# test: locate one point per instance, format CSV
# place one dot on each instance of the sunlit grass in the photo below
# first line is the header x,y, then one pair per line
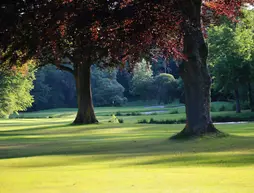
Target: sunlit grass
x,y
51,156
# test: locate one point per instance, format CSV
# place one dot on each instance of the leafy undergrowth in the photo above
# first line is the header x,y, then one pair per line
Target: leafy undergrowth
x,y
50,155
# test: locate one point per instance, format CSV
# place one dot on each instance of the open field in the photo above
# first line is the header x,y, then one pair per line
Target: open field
x,y
52,156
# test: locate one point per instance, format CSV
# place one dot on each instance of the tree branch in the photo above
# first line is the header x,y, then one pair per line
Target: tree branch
x,y
65,68
70,57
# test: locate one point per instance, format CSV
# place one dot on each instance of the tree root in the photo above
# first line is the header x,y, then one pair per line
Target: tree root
x,y
209,131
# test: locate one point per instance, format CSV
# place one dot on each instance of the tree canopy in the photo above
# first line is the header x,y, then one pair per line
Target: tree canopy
x,y
51,30
109,32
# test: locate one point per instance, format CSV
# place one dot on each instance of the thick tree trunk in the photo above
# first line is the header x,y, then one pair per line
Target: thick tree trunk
x,y
250,97
195,74
85,113
237,101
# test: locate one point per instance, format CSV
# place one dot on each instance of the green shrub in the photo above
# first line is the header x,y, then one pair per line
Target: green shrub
x,y
219,118
167,121
119,114
135,113
222,108
132,114
234,107
152,120
213,109
245,105
121,120
144,121
174,112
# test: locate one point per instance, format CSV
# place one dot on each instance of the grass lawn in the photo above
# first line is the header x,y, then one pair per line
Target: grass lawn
x,y
172,112
51,156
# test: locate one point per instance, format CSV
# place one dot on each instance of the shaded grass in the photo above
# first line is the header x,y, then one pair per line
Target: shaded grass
x,y
50,155
110,139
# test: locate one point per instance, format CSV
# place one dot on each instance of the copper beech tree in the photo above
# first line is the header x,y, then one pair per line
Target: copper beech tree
x,y
63,33
116,31
178,28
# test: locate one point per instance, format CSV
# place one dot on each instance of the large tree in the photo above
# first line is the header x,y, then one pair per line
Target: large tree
x,y
122,30
178,28
57,32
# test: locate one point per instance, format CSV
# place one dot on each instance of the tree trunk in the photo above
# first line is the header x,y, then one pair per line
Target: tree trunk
x,y
237,101
195,74
85,113
250,97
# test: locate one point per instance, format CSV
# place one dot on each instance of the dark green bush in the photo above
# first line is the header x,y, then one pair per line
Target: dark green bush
x,y
222,108
121,120
135,113
167,121
213,109
225,118
174,112
245,105
143,121
119,114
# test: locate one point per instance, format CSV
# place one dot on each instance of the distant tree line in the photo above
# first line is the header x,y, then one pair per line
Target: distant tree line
x,y
110,87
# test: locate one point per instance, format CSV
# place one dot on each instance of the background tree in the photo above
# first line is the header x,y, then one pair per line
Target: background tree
x,y
230,68
165,88
53,31
225,60
53,89
15,90
244,37
56,89
41,91
142,80
185,39
106,90
124,78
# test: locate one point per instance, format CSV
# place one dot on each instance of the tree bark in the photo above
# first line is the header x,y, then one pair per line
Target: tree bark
x,y
237,101
195,74
85,114
250,97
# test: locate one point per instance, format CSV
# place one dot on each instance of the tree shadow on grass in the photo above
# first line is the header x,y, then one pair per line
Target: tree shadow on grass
x,y
51,128
195,159
100,148
31,131
135,144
